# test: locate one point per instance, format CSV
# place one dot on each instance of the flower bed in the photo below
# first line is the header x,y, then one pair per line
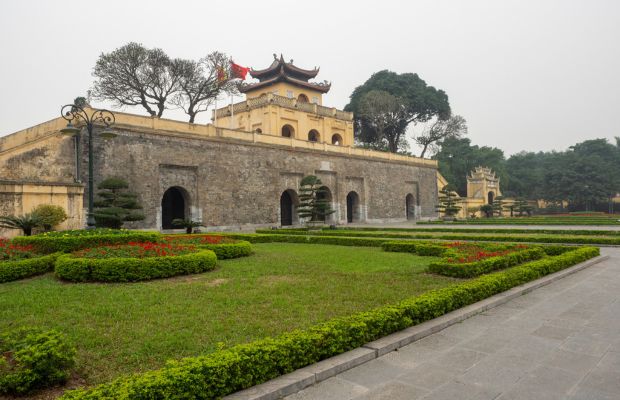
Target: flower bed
x,y
224,247
21,261
68,241
226,371
135,261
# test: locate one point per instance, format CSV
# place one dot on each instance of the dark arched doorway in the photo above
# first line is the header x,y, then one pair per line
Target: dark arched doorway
x,y
353,207
302,98
325,195
410,206
490,197
288,131
313,135
336,139
288,207
174,205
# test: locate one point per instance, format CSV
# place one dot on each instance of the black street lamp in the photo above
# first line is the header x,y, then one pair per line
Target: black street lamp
x,y
77,118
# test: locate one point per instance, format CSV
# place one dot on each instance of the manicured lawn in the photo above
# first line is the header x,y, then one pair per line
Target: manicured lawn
x,y
120,328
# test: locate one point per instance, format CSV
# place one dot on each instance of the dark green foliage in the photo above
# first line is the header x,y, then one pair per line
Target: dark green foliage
x,y
487,210
225,251
417,102
132,269
31,358
313,203
14,270
50,215
115,204
477,268
226,371
188,224
46,243
26,222
419,248
522,207
448,202
498,206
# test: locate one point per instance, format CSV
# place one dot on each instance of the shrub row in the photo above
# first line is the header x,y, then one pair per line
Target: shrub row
x,y
31,358
69,243
309,239
132,269
573,232
477,268
19,269
226,371
225,251
534,221
420,248
535,238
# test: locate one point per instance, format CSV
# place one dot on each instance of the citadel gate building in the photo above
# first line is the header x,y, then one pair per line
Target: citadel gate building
x,y
241,171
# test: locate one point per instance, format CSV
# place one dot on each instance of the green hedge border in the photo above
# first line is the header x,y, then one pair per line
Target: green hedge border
x,y
68,244
573,232
477,268
75,269
538,238
583,222
20,269
227,371
225,251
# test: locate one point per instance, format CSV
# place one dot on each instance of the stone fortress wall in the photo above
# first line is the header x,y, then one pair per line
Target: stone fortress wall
x,y
228,179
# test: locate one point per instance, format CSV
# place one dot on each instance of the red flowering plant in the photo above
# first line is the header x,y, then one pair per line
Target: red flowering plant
x,y
199,239
135,250
464,252
12,252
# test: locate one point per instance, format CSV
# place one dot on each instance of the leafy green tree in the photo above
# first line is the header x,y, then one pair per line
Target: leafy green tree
x,y
448,202
26,222
383,115
313,204
419,102
115,204
50,215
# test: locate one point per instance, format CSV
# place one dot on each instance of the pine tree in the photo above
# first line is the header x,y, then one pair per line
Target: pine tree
x,y
448,202
116,204
522,206
313,204
498,206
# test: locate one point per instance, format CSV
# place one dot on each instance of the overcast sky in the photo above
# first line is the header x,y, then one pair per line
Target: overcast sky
x,y
527,75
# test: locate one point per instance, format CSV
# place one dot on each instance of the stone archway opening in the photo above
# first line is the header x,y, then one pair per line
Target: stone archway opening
x,y
336,139
302,98
174,205
288,131
353,207
491,197
410,207
324,194
313,135
288,208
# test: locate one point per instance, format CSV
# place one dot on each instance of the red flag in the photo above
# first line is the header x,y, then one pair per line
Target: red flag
x,y
238,71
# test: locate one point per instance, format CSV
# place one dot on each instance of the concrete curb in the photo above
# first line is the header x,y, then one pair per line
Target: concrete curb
x,y
315,373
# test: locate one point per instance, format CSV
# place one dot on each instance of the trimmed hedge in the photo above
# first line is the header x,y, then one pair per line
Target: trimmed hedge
x,y
477,268
584,232
132,269
531,221
31,358
19,269
420,248
536,238
67,244
225,251
308,239
226,371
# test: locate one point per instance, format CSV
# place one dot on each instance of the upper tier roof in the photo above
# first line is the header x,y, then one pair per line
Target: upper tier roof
x,y
281,71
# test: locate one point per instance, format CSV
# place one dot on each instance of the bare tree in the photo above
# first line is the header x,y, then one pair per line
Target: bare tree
x,y
384,117
455,126
201,82
134,75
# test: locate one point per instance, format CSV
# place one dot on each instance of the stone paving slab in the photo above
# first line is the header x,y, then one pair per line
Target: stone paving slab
x,y
477,357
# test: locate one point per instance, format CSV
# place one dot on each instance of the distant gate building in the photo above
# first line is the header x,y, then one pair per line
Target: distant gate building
x,y
244,169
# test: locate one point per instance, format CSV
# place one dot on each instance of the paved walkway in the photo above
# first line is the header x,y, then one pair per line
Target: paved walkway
x,y
561,341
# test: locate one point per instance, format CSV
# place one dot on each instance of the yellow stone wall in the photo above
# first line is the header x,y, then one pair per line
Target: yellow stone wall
x,y
283,89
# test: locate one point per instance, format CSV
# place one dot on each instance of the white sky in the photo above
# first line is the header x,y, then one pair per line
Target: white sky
x,y
527,75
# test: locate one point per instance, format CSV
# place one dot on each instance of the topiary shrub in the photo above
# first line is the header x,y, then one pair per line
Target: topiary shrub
x,y
20,269
224,247
50,215
31,358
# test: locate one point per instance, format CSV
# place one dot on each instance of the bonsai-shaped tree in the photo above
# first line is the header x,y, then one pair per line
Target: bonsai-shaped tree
x,y
448,202
498,206
50,215
313,206
473,212
116,204
487,209
523,207
188,224
26,222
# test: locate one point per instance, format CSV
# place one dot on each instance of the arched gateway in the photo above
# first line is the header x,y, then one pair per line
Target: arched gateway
x,y
174,204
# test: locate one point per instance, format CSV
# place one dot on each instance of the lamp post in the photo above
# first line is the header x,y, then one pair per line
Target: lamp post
x,y
77,118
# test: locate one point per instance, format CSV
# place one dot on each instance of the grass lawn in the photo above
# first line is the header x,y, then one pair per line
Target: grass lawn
x,y
120,328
